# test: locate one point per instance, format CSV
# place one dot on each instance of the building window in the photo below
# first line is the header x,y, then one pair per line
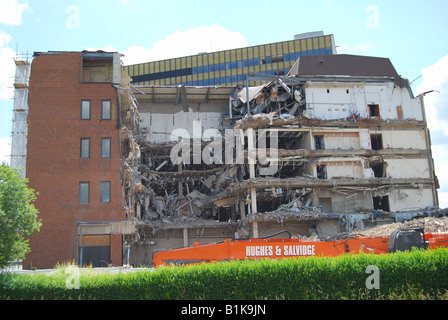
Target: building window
x,y
85,110
84,192
379,169
85,148
105,192
377,141
374,110
105,110
278,58
105,147
319,142
321,171
381,203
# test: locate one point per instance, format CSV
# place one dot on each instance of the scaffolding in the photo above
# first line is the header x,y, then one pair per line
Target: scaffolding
x,y
20,115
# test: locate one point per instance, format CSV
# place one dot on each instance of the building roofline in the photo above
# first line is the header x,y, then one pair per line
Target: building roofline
x,y
41,53
253,46
347,65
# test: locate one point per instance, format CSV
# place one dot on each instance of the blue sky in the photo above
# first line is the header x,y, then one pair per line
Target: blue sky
x,y
411,33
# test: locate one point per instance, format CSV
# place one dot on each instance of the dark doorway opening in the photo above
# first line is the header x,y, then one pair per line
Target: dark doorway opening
x,y
377,141
95,256
381,203
379,169
322,171
374,110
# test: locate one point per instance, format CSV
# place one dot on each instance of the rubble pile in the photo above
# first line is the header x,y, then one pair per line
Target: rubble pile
x,y
430,224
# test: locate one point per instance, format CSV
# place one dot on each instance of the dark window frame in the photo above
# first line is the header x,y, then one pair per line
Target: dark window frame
x,y
82,115
108,198
80,192
81,151
110,148
110,109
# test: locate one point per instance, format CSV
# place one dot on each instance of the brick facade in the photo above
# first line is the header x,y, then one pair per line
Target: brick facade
x,y
54,166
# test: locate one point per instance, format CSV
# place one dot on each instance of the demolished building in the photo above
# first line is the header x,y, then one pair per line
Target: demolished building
x,y
339,143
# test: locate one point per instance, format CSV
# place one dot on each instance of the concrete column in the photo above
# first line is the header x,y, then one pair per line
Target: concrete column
x,y
242,209
185,237
255,229
252,160
180,183
253,196
251,152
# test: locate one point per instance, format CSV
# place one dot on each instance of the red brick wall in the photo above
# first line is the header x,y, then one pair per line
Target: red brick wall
x,y
54,167
116,250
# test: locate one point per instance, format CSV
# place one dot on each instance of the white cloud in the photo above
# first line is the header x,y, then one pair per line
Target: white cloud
x,y
5,150
11,12
184,43
357,49
435,77
4,39
443,199
7,67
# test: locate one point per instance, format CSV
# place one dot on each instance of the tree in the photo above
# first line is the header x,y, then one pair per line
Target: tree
x,y
18,216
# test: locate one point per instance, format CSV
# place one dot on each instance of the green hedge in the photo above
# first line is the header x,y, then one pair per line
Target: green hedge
x,y
403,275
